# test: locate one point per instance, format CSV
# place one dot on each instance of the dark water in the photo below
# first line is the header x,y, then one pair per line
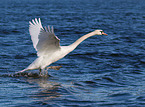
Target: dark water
x,y
105,71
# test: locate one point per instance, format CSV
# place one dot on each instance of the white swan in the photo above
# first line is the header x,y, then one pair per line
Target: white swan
x,y
47,45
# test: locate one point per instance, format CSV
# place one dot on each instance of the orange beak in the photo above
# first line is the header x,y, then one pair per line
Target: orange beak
x,y
104,33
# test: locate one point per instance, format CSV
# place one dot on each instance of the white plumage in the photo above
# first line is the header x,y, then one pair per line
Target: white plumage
x,y
48,47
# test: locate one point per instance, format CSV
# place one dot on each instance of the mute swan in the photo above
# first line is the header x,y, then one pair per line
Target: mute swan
x,y
47,45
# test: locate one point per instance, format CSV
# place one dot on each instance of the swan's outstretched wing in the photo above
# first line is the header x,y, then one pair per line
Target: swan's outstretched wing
x,y
44,40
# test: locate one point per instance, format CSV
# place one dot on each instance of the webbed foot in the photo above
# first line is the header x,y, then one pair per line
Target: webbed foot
x,y
54,67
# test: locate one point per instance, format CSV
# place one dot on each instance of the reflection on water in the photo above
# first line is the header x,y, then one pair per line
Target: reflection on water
x,y
48,89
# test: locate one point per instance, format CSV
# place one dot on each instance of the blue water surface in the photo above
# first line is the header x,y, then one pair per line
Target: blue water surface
x,y
103,71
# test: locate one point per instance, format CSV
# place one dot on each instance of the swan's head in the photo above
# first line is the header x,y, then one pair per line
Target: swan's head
x,y
99,32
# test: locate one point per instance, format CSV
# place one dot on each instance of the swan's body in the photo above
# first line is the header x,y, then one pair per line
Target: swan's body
x,y
47,45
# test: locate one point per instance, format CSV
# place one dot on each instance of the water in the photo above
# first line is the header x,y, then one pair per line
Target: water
x,y
102,71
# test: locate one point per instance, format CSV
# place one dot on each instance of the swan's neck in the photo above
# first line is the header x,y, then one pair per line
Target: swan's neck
x,y
77,42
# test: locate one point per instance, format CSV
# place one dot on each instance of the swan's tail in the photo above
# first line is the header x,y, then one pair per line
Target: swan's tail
x,y
22,71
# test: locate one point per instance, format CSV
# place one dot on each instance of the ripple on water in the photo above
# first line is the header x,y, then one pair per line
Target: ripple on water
x,y
101,71
26,74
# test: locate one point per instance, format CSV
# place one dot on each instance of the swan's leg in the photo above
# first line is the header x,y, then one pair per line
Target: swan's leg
x,y
46,72
40,71
43,72
54,67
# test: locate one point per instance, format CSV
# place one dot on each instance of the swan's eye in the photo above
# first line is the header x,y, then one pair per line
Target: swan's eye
x,y
101,32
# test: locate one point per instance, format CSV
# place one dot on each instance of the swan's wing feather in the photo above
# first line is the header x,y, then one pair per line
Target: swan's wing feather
x,y
34,30
44,40
47,43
